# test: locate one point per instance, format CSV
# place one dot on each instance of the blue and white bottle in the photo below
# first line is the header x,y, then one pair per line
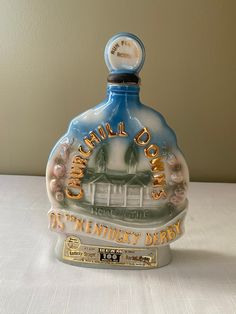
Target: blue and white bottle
x,y
117,180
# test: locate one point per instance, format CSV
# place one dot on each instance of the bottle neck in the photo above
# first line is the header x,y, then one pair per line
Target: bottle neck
x,y
123,91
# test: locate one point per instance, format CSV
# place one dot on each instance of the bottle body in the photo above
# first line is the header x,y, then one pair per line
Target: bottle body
x,y
117,178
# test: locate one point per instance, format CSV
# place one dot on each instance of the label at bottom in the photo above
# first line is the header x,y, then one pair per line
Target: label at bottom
x,y
77,252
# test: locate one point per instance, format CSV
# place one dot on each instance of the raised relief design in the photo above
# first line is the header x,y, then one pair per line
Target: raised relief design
x,y
117,178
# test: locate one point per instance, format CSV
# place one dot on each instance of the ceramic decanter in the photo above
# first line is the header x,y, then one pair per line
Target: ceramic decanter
x,y
117,180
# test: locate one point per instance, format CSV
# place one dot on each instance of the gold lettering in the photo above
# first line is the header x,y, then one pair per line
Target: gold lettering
x,y
98,229
76,168
151,151
171,234
88,226
73,218
151,239
102,132
163,237
158,195
157,164
79,224
143,137
159,179
76,175
105,231
119,237
110,131
84,153
155,238
126,237
177,227
72,195
90,142
75,183
55,221
79,162
110,234
114,234
121,128
148,239
136,237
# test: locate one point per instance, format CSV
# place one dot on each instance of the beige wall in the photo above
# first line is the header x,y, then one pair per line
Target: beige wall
x,y
52,68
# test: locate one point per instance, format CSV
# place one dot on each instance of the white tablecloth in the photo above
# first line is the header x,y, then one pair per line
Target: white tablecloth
x,y
200,279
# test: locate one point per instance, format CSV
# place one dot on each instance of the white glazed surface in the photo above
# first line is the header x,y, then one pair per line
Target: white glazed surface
x,y
128,47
